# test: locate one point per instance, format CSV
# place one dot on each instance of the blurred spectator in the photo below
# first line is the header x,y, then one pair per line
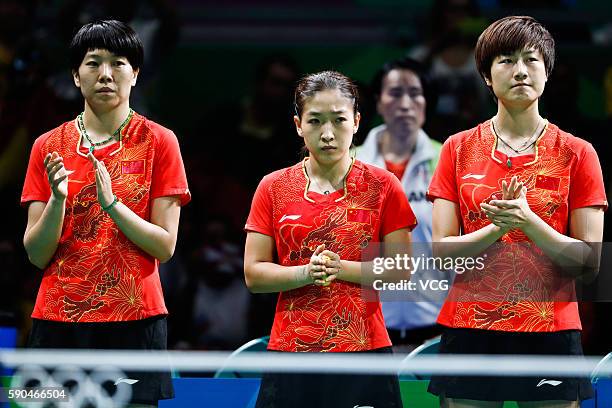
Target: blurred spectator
x,y
261,126
449,54
403,91
220,297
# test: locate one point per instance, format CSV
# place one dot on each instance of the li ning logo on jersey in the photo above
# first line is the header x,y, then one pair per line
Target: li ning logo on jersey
x,y
474,176
289,217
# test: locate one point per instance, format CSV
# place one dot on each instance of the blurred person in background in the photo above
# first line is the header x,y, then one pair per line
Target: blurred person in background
x,y
448,53
400,145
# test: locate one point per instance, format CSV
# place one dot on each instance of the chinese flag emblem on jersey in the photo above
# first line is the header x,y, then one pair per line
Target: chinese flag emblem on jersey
x,y
547,182
132,166
361,215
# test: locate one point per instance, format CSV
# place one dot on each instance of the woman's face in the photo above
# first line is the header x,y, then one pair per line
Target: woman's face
x,y
105,79
327,125
402,102
518,79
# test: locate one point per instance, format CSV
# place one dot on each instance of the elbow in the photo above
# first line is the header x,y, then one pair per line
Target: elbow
x,y
165,256
251,282
166,252
37,262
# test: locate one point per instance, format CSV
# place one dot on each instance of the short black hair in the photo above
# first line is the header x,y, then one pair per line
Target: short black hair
x,y
409,64
112,35
510,34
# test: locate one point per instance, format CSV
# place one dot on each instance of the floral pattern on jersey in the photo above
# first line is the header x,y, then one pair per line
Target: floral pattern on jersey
x,y
96,273
519,285
336,317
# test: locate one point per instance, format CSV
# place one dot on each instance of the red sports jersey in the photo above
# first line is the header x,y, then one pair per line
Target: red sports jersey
x,y
97,274
336,317
520,289
398,169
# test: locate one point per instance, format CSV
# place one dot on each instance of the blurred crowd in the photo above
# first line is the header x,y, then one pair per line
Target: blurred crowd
x,y
230,146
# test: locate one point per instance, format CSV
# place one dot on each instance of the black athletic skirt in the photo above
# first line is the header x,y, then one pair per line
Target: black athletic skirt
x,y
147,334
283,390
474,341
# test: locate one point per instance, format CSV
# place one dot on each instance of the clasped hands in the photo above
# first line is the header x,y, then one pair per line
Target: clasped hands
x,y
324,266
57,176
512,211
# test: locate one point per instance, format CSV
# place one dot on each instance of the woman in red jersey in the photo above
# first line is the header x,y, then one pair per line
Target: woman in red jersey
x,y
104,193
307,229
514,179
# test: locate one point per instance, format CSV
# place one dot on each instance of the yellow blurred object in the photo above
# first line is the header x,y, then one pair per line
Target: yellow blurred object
x,y
325,258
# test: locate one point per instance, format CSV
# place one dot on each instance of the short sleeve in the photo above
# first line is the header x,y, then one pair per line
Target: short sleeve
x,y
396,212
169,178
260,216
586,183
443,182
36,187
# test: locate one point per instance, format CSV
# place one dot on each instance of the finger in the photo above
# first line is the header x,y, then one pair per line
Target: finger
x,y
490,207
59,180
319,282
504,189
93,160
504,204
332,271
330,255
53,171
47,158
53,162
517,190
523,193
512,184
319,249
331,278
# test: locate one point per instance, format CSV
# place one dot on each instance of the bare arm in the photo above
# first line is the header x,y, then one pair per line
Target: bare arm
x,y
263,275
577,253
446,232
45,220
158,237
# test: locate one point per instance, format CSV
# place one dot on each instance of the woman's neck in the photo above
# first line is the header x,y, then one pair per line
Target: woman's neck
x,y
333,173
517,124
100,125
397,149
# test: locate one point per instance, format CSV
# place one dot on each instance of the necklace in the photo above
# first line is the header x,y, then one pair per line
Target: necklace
x,y
92,144
326,192
523,147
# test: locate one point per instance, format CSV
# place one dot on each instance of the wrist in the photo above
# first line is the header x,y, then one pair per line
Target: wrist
x,y
301,275
531,219
61,200
110,206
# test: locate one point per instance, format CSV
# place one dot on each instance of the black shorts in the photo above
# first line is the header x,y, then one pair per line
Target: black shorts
x,y
146,334
474,341
282,390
